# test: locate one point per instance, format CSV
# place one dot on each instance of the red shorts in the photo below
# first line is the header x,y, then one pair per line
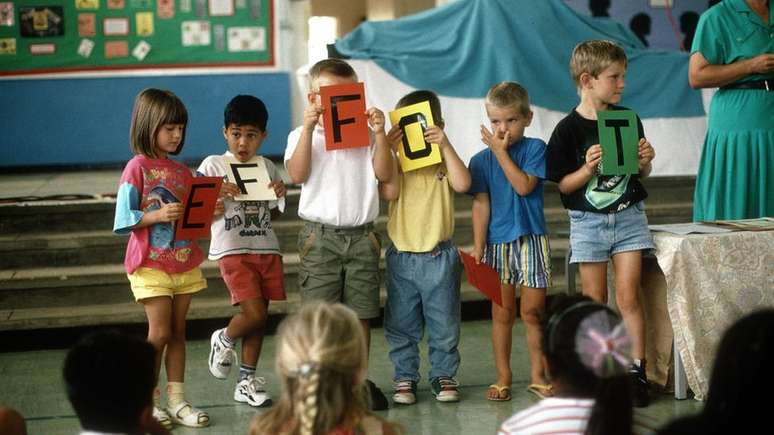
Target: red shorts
x,y
253,276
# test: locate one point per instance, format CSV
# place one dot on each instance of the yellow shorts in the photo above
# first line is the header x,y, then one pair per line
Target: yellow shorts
x,y
148,283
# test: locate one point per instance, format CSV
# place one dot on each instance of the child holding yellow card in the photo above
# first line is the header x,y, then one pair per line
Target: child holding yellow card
x,y
423,265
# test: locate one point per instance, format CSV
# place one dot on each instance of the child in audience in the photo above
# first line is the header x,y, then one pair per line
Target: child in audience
x,y
246,248
509,230
163,272
742,367
338,246
423,265
322,364
129,363
607,213
588,353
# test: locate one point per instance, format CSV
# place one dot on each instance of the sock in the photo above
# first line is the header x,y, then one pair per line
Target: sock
x,y
225,339
245,371
175,394
157,397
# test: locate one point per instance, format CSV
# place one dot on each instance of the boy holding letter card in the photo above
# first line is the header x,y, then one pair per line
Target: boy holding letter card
x,y
245,246
619,138
607,212
338,246
423,265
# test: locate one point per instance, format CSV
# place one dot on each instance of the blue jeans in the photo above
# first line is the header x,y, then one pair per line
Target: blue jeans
x,y
423,289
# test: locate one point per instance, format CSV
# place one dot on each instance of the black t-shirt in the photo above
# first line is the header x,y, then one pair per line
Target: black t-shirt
x,y
566,153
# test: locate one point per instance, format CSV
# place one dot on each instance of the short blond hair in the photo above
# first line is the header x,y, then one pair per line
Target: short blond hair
x,y
336,67
593,57
509,94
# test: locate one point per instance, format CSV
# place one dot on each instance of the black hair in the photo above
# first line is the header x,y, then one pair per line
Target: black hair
x,y
109,378
612,411
420,96
246,110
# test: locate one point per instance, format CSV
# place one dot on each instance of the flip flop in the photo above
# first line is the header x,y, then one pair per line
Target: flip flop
x,y
541,390
503,393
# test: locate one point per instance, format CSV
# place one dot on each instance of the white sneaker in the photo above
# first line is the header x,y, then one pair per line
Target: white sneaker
x,y
221,357
250,390
185,414
162,417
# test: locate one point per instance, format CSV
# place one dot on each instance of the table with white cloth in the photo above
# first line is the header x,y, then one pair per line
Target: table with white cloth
x,y
699,286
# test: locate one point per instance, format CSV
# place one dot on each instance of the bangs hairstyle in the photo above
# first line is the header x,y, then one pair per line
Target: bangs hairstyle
x,y
336,67
593,57
420,96
509,94
246,110
152,109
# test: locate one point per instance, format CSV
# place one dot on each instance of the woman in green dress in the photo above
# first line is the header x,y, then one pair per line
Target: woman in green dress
x,y
733,49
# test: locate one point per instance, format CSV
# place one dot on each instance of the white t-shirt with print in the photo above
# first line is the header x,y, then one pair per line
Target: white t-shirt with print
x,y
245,227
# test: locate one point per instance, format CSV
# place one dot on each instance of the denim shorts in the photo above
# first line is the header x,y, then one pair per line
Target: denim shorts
x,y
595,237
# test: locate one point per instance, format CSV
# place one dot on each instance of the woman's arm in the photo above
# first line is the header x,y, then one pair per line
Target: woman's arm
x,y
702,74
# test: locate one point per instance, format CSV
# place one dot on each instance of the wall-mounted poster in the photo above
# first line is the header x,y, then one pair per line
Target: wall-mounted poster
x,y
41,21
6,14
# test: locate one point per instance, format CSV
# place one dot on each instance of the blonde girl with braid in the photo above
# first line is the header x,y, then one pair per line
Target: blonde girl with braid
x,y
321,363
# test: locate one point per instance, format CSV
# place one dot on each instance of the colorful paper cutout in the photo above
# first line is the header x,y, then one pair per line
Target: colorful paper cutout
x,y
7,45
344,118
251,38
141,50
6,14
87,4
195,33
144,23
85,47
483,277
41,22
619,137
414,152
87,24
199,201
116,49
165,9
115,26
252,178
115,4
221,8
42,49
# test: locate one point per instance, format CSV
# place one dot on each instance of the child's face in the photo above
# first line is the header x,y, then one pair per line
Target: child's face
x,y
168,138
508,119
243,140
608,86
326,79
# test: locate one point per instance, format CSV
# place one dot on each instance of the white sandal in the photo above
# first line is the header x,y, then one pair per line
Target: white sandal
x,y
185,414
162,417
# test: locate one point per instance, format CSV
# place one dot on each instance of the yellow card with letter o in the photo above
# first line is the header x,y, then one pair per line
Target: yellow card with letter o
x,y
414,152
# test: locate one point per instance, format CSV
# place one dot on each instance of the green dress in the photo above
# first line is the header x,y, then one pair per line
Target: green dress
x,y
736,171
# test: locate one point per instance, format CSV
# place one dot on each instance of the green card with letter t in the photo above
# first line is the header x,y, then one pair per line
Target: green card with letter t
x,y
619,137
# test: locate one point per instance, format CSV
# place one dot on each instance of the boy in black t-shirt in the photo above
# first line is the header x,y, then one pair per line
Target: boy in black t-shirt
x,y
607,213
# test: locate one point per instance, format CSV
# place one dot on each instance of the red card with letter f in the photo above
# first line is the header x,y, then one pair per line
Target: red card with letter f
x,y
199,202
344,118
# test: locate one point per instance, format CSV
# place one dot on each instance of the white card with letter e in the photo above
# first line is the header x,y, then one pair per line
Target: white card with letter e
x,y
252,178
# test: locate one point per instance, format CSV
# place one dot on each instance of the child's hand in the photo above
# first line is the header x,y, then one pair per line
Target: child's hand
x,y
376,119
279,188
645,153
229,190
170,212
395,137
312,114
435,134
593,157
477,254
220,207
493,141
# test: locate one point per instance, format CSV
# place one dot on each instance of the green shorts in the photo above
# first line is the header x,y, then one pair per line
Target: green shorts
x,y
340,264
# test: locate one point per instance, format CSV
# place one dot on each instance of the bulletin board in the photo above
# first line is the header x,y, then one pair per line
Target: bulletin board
x,y
49,36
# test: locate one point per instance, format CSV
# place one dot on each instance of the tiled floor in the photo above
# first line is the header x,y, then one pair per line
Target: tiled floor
x,y
31,382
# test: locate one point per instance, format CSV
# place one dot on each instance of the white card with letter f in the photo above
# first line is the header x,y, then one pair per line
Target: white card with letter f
x,y
252,178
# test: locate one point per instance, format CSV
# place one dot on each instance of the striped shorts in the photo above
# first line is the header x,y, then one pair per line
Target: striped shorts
x,y
525,261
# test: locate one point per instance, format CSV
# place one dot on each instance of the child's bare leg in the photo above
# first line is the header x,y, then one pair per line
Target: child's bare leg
x,y
533,305
175,360
594,280
159,312
250,324
628,269
502,325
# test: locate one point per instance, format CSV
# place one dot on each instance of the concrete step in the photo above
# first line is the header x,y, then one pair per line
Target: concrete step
x,y
107,284
97,213
83,248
